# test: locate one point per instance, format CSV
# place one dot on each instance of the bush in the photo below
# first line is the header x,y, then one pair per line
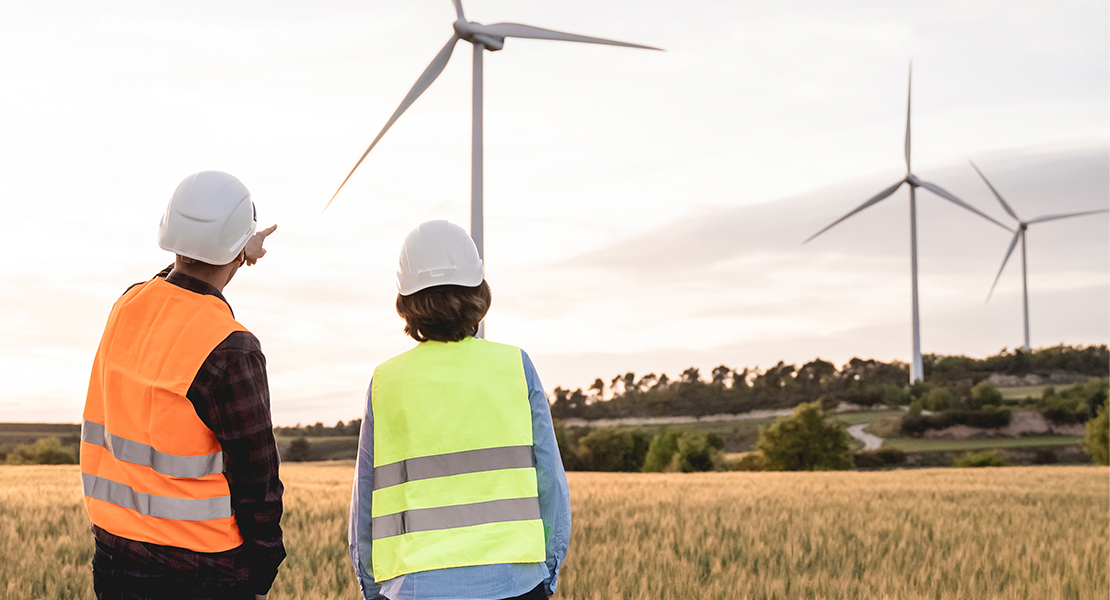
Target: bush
x,y
806,441
881,457
938,399
750,461
45,451
614,449
300,450
991,417
1097,442
985,394
1045,456
683,451
988,458
871,394
1076,405
567,447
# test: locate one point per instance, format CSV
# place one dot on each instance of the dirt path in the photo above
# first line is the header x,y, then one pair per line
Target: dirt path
x,y
755,414
870,442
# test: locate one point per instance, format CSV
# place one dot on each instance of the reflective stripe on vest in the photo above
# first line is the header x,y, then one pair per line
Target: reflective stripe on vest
x,y
454,463
145,455
454,475
156,506
151,470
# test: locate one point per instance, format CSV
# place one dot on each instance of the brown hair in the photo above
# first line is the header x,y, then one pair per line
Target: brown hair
x,y
444,313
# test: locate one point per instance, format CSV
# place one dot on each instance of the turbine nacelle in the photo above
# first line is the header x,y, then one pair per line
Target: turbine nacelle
x,y
475,34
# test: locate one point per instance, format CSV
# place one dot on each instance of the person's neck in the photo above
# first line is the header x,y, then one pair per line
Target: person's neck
x,y
216,276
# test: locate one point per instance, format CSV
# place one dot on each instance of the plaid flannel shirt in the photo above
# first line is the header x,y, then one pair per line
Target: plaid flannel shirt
x,y
231,396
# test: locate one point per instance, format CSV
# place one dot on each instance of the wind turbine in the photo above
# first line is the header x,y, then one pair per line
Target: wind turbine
x,y
917,371
482,37
1020,234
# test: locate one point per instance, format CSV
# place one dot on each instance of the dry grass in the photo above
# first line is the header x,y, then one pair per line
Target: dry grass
x,y
1033,532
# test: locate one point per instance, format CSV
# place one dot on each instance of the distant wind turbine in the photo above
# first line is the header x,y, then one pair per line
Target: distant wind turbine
x,y
482,37
1020,234
917,371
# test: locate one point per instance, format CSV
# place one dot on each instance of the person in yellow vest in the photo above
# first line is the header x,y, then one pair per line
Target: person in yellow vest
x,y
459,490
178,461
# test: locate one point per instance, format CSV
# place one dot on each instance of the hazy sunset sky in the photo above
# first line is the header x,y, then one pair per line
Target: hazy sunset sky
x,y
644,210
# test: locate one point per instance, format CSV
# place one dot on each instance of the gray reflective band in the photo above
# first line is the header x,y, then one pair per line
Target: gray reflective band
x,y
450,517
142,454
453,463
163,507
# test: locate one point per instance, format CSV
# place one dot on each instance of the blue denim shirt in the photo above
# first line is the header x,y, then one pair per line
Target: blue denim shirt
x,y
484,582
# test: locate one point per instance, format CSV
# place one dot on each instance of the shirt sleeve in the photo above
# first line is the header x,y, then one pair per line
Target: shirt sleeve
x,y
231,395
359,538
553,490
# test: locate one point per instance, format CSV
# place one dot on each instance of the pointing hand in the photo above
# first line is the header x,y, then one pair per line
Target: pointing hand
x,y
254,249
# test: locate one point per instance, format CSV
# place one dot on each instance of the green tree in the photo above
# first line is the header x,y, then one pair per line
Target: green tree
x,y
697,452
806,441
1097,442
720,376
614,449
661,450
597,389
684,451
300,450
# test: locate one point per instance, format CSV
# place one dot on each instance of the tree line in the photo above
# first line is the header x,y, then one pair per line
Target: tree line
x,y
863,382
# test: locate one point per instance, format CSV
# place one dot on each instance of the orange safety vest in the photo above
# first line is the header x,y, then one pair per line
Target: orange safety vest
x,y
152,471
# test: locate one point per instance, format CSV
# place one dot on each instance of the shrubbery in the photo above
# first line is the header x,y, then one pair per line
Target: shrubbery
x,y
45,451
988,418
805,441
630,449
984,394
684,452
988,458
299,450
750,461
613,449
1097,442
1075,405
881,457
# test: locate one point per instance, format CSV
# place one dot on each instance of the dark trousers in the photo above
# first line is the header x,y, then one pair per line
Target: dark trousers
x,y
536,594
118,578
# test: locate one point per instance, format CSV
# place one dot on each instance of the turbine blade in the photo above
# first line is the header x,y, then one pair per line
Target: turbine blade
x,y
996,194
909,96
459,10
943,193
517,30
1013,244
1065,216
426,78
878,197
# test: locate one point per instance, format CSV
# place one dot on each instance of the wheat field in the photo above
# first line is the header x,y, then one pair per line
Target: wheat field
x,y
1029,532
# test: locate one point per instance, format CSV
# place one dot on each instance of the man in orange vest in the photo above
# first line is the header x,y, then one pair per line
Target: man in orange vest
x,y
178,461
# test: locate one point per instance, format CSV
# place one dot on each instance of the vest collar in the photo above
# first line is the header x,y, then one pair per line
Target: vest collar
x,y
196,286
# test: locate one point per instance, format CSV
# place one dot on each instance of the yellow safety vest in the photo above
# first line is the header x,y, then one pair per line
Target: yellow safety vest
x,y
454,473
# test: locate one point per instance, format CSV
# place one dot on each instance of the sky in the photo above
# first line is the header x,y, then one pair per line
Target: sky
x,y
645,211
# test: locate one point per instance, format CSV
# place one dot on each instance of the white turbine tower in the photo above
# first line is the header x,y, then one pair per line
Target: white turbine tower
x,y
482,37
1020,234
916,368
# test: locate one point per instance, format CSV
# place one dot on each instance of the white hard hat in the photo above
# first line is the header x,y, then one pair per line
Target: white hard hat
x,y
209,218
438,253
